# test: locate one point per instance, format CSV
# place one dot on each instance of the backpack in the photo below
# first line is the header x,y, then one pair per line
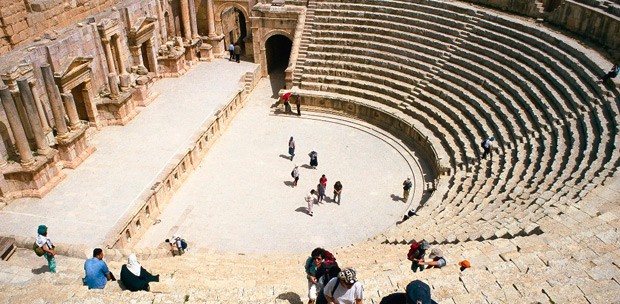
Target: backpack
x,y
183,244
293,173
38,250
482,143
413,250
320,299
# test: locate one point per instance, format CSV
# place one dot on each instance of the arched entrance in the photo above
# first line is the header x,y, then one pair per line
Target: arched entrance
x,y
278,51
234,28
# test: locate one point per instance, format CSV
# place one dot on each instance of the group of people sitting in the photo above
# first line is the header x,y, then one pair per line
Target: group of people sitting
x,y
133,276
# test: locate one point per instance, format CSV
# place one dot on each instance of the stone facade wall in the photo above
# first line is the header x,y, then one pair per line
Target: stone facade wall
x,y
24,21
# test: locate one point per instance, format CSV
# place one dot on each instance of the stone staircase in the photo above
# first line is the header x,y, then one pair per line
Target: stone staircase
x,y
462,74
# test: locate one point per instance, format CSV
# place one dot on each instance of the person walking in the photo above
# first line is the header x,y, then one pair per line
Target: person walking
x,y
337,192
291,148
298,105
344,289
407,185
295,175
237,52
47,246
314,158
313,262
487,146
231,51
615,69
310,201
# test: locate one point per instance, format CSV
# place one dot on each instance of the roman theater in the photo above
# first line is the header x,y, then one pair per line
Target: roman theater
x,y
125,122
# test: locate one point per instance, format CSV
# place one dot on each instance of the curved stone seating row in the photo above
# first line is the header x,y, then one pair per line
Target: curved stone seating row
x,y
556,127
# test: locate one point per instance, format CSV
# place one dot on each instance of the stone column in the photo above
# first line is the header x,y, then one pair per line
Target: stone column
x,y
113,82
40,108
162,22
31,110
210,20
88,96
121,63
152,56
192,16
25,155
187,28
55,102
108,55
136,53
74,119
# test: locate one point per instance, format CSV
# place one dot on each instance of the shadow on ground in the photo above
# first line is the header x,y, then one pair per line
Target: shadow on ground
x,y
291,297
41,269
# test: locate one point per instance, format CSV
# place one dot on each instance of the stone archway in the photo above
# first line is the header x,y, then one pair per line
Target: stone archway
x,y
277,53
243,26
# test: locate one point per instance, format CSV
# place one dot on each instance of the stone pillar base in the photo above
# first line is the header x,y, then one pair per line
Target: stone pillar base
x,y
217,44
35,180
142,94
74,149
206,53
172,66
117,111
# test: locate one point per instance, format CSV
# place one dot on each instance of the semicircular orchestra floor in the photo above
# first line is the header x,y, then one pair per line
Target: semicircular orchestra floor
x,y
241,197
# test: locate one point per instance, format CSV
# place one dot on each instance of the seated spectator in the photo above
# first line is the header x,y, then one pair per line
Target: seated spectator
x,y
135,277
612,73
173,246
97,272
344,289
438,260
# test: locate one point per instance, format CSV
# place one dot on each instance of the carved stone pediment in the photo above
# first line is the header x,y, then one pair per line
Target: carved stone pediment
x,y
141,31
108,27
76,72
22,70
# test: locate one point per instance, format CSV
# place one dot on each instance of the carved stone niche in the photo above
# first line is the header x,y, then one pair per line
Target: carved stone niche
x,y
141,42
171,58
78,97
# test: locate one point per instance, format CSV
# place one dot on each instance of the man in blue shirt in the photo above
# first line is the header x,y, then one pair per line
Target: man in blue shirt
x,y
97,272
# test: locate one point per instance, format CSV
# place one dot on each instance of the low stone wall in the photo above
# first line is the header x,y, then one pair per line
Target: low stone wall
x,y
153,201
401,129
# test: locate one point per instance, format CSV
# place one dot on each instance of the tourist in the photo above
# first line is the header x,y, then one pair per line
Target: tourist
x,y
173,246
313,262
322,186
487,146
231,50
180,243
47,246
310,201
287,104
97,272
135,277
612,73
237,51
298,105
314,158
344,289
337,192
417,292
437,258
295,175
291,148
407,185
416,254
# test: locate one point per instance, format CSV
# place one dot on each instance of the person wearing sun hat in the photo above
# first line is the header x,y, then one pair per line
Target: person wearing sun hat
x,y
344,289
437,258
48,247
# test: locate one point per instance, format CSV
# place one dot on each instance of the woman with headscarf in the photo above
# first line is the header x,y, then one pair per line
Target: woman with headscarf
x,y
134,277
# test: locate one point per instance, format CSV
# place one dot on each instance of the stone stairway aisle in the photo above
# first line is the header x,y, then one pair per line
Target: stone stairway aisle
x,y
305,42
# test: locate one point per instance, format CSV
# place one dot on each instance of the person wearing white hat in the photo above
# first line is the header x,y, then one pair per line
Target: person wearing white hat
x,y
407,185
437,258
344,289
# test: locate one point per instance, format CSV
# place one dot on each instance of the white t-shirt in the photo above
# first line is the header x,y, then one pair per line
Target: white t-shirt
x,y
344,295
42,240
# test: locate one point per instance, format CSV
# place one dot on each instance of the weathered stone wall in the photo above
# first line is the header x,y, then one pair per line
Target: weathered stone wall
x,y
230,26
22,22
587,21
